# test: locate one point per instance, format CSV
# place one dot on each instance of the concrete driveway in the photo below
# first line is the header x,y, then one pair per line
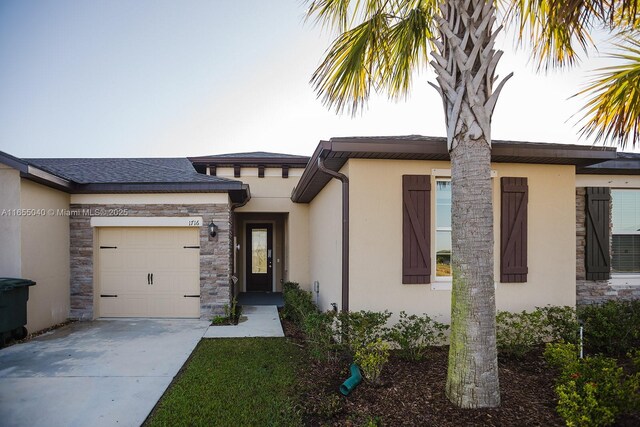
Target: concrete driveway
x,y
100,373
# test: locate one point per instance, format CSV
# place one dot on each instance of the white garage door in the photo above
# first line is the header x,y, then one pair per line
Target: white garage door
x,y
149,272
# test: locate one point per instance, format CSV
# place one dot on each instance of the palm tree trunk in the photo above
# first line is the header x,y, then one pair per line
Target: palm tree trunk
x,y
472,377
465,66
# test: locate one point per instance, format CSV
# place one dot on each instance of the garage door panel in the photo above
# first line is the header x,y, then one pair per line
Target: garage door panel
x,y
142,251
178,283
130,306
178,307
124,283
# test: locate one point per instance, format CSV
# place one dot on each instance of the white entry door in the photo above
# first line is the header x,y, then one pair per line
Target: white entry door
x,y
149,272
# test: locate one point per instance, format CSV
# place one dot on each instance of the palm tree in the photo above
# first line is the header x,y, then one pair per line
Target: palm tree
x,y
390,40
380,44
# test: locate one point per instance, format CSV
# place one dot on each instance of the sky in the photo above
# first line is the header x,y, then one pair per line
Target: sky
x,y
155,78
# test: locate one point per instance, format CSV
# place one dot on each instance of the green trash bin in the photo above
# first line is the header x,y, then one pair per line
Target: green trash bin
x,y
14,294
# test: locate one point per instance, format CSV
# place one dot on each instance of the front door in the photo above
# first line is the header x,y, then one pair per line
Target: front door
x,y
259,257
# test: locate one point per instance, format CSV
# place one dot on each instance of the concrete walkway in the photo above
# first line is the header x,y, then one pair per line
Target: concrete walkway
x,y
100,373
256,321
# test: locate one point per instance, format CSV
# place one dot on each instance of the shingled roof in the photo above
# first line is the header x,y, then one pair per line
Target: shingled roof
x,y
124,170
125,175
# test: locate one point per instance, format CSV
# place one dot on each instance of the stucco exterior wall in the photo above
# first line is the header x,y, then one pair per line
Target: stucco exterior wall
x,y
325,251
45,255
10,259
376,238
272,194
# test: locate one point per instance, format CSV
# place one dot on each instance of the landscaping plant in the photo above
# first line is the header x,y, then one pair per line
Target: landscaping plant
x,y
371,358
612,328
318,328
414,334
518,333
592,391
359,328
297,303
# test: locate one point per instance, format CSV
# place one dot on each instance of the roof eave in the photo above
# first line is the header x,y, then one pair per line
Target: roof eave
x,y
176,187
427,148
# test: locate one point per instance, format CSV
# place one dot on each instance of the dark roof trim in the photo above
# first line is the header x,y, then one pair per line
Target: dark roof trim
x,y
293,162
35,174
337,151
624,164
171,187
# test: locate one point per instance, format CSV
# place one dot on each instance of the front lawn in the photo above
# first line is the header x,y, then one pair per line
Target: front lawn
x,y
244,381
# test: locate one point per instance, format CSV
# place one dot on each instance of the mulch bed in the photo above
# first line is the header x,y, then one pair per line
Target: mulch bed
x,y
412,393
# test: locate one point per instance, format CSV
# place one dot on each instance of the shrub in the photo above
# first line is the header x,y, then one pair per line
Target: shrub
x,y
318,328
561,324
360,328
297,303
592,391
371,358
414,334
518,333
612,328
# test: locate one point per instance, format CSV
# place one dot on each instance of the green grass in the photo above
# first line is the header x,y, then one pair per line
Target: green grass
x,y
240,381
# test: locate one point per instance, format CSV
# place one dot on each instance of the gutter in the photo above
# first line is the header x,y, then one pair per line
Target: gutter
x,y
345,229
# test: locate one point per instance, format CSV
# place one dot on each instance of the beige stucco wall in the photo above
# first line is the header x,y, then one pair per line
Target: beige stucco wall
x,y
376,238
272,194
10,265
45,255
325,250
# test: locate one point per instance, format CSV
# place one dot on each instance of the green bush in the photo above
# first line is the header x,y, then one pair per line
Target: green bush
x,y
297,303
518,333
592,391
561,324
612,328
360,328
319,330
371,358
414,334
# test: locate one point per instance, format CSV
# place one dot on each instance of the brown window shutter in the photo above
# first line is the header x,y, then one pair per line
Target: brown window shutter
x,y
416,229
597,259
513,230
260,171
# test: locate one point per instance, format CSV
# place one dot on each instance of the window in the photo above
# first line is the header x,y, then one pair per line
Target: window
x,y
625,221
443,228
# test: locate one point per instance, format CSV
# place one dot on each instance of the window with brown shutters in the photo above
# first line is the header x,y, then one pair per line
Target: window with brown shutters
x,y
513,230
416,229
597,261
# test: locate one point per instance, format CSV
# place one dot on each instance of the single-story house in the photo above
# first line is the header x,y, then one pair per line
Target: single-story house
x,y
180,237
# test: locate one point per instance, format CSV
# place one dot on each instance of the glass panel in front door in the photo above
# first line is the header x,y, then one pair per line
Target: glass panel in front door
x,y
259,251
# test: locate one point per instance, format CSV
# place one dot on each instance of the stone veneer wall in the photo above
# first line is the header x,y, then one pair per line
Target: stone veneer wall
x,y
215,253
594,291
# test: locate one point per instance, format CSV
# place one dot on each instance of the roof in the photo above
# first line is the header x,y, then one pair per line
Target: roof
x,y
252,159
624,164
124,170
337,151
124,175
253,155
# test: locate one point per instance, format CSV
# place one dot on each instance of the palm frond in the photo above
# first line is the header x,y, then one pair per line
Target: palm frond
x,y
409,44
333,14
354,62
612,113
381,52
557,30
